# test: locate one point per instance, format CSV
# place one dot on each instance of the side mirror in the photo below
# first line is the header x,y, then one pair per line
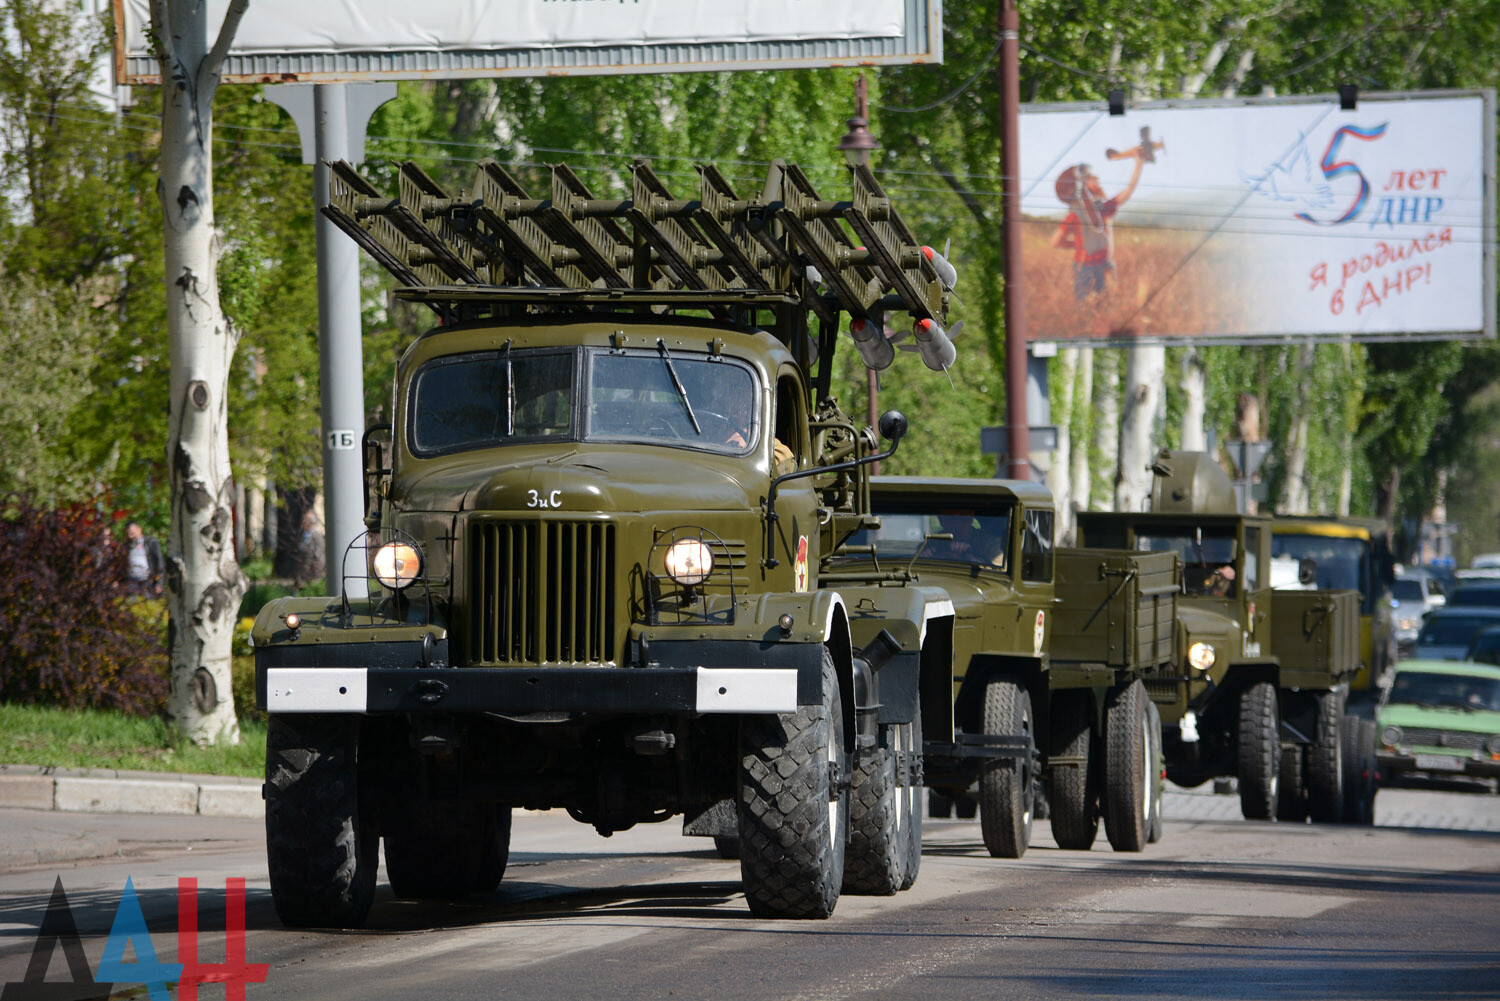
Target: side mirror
x,y
893,426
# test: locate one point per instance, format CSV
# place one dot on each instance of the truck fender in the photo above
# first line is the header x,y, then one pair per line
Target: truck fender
x,y
905,636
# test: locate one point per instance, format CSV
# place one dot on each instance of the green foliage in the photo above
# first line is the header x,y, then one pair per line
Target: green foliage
x,y
98,738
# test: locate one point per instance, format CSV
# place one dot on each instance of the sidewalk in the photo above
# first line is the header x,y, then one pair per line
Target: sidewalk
x,y
109,790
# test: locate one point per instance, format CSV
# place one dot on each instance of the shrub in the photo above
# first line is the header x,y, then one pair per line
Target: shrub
x,y
70,635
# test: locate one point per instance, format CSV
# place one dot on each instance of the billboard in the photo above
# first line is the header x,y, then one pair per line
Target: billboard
x,y
1261,220
342,41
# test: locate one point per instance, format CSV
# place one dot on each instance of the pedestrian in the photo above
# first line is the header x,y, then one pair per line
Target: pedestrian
x,y
143,561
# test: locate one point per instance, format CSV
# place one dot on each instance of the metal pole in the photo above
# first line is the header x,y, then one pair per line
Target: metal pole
x,y
1010,186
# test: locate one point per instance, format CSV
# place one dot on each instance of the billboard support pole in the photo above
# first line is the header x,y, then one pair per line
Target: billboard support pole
x,y
1015,304
332,119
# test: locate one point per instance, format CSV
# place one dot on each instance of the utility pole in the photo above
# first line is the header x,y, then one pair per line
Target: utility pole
x,y
1016,416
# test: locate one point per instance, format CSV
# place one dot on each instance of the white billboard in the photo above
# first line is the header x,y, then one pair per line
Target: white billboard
x,y
332,41
1261,220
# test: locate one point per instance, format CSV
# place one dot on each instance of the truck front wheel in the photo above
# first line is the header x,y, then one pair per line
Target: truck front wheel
x,y
793,818
1007,786
322,844
1259,751
443,852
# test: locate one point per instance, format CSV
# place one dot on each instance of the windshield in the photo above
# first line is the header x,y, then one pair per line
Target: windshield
x,y
1452,630
1342,564
1208,557
498,397
1407,590
981,537
1453,691
1475,595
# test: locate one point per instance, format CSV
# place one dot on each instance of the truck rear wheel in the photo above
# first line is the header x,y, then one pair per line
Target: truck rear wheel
x,y
1007,786
1158,778
1325,761
444,854
793,818
1127,766
322,845
1291,790
876,850
1359,770
1259,751
1073,787
939,805
909,790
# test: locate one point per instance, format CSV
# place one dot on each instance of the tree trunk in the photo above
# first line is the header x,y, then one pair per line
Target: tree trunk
x,y
1082,472
204,583
292,508
1145,374
1194,397
1294,493
1060,471
1107,426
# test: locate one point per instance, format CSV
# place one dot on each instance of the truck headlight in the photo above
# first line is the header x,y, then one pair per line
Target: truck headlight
x,y
1201,656
396,565
689,562
1390,736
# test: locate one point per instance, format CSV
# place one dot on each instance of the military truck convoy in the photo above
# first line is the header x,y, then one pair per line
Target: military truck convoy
x,y
596,529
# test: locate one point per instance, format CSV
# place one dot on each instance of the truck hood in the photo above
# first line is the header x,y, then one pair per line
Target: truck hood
x,y
1207,625
1466,720
598,479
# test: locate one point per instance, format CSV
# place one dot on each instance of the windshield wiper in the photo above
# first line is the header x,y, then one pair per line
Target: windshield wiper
x,y
661,345
510,392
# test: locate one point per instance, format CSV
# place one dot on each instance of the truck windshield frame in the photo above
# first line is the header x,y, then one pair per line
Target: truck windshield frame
x,y
490,399
981,535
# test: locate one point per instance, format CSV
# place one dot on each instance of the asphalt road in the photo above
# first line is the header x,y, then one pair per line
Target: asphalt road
x,y
1220,908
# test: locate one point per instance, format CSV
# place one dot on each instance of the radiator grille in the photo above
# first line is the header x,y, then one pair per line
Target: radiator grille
x,y
542,592
1424,737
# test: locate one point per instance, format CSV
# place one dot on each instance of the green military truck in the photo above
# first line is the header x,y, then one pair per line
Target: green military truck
x,y
597,523
1261,680
1051,649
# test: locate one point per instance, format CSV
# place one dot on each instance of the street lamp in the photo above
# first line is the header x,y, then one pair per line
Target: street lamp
x,y
857,145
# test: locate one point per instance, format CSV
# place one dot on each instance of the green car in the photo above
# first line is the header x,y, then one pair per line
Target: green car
x,y
1441,719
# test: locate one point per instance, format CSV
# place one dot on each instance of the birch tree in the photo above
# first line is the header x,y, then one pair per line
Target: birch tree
x,y
204,583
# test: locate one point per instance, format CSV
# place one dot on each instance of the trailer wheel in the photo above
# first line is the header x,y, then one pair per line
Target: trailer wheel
x,y
1291,789
322,845
939,805
443,854
872,860
1325,765
1007,786
1359,770
1158,778
1073,788
1127,767
1259,751
793,817
909,791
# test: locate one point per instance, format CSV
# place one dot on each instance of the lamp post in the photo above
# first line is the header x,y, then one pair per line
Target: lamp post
x,y
857,145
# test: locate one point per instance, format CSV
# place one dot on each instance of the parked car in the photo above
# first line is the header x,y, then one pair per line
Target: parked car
x,y
1413,596
1440,719
1448,631
1486,647
1476,592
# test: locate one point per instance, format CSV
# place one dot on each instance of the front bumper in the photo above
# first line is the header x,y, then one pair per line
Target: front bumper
x,y
1437,763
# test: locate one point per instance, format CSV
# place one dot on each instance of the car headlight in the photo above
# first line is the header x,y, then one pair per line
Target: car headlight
x,y
1492,744
396,565
1201,656
1390,736
689,562
1407,623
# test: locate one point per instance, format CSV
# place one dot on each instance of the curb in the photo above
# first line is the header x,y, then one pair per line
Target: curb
x,y
109,790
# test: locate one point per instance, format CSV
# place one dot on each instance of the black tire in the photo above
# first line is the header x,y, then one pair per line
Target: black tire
x,y
322,843
1369,768
1127,767
793,818
727,847
1353,761
1259,751
1007,786
1325,761
872,860
909,792
447,851
966,807
1156,827
939,806
1291,789
1073,788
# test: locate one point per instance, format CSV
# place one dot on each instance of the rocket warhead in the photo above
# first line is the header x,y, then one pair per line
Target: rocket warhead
x,y
946,272
938,352
871,341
